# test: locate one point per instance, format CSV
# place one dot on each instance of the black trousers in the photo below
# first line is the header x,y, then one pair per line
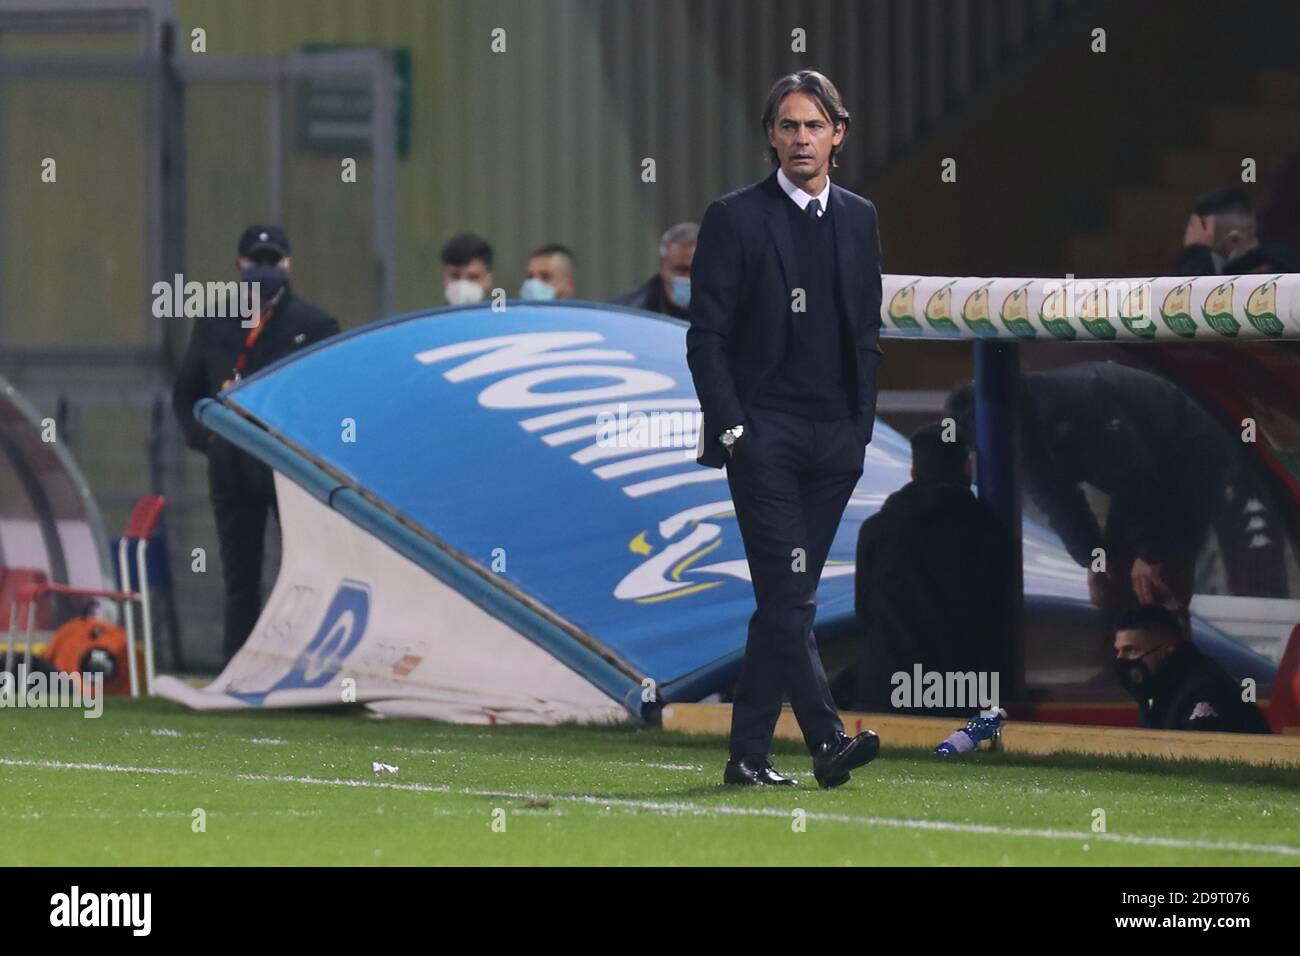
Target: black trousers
x,y
790,480
243,492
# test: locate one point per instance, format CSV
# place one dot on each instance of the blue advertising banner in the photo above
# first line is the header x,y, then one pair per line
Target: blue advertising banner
x,y
552,446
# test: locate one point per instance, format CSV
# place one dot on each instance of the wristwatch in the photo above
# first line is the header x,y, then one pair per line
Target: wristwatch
x,y
731,436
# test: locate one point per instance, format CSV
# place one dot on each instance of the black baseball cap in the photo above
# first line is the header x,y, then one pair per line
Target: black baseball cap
x,y
257,239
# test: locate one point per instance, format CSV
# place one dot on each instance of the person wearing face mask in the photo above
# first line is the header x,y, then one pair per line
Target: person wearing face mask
x,y
466,269
550,274
1175,685
222,351
669,290
1221,238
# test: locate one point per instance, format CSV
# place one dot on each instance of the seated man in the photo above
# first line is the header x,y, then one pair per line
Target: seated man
x,y
1176,686
930,586
1222,237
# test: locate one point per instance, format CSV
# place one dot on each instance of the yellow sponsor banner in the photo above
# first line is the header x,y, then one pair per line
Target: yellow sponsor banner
x,y
1072,309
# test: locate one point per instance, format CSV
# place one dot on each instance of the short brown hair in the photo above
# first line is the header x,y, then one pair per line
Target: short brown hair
x,y
819,88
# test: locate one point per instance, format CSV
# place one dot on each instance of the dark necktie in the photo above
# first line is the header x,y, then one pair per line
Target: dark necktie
x,y
813,209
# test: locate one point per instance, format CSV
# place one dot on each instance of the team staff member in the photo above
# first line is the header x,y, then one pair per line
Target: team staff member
x,y
1138,438
788,393
221,352
930,585
1176,686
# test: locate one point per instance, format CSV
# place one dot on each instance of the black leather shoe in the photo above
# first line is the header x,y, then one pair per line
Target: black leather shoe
x,y
841,754
755,772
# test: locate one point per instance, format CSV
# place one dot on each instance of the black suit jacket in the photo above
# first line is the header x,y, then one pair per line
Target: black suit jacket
x,y
742,278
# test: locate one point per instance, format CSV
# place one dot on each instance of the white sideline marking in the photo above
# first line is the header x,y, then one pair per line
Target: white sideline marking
x,y
696,809
106,767
662,766
440,752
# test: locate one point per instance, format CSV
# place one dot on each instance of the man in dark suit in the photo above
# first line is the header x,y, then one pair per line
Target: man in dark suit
x,y
785,318
221,352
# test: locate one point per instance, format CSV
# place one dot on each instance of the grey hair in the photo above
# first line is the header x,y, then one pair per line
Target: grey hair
x,y
682,234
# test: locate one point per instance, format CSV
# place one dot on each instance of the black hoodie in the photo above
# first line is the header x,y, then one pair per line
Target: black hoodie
x,y
929,588
1189,691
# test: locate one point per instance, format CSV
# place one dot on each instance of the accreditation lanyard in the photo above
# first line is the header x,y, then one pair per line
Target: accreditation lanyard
x,y
249,341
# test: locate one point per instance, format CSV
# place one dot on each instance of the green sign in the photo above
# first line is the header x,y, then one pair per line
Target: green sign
x,y
334,114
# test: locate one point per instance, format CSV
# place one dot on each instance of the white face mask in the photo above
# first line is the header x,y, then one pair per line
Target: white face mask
x,y
536,290
463,292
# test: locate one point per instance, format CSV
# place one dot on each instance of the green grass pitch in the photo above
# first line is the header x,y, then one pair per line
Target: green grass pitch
x,y
286,788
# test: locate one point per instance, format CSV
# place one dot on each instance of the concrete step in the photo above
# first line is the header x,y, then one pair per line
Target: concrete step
x,y
1261,130
1280,86
1151,211
1198,171
1117,254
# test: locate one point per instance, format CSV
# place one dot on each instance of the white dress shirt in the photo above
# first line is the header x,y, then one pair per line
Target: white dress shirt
x,y
802,198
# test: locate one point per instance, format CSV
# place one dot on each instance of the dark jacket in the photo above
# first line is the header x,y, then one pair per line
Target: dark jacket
x,y
930,588
1196,260
1133,435
650,296
742,279
1189,691
214,347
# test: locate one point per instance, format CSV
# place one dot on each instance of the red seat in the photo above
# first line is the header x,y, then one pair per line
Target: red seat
x,y
31,588
144,516
16,581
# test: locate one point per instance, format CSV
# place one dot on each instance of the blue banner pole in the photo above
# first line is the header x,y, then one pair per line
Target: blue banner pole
x,y
997,430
